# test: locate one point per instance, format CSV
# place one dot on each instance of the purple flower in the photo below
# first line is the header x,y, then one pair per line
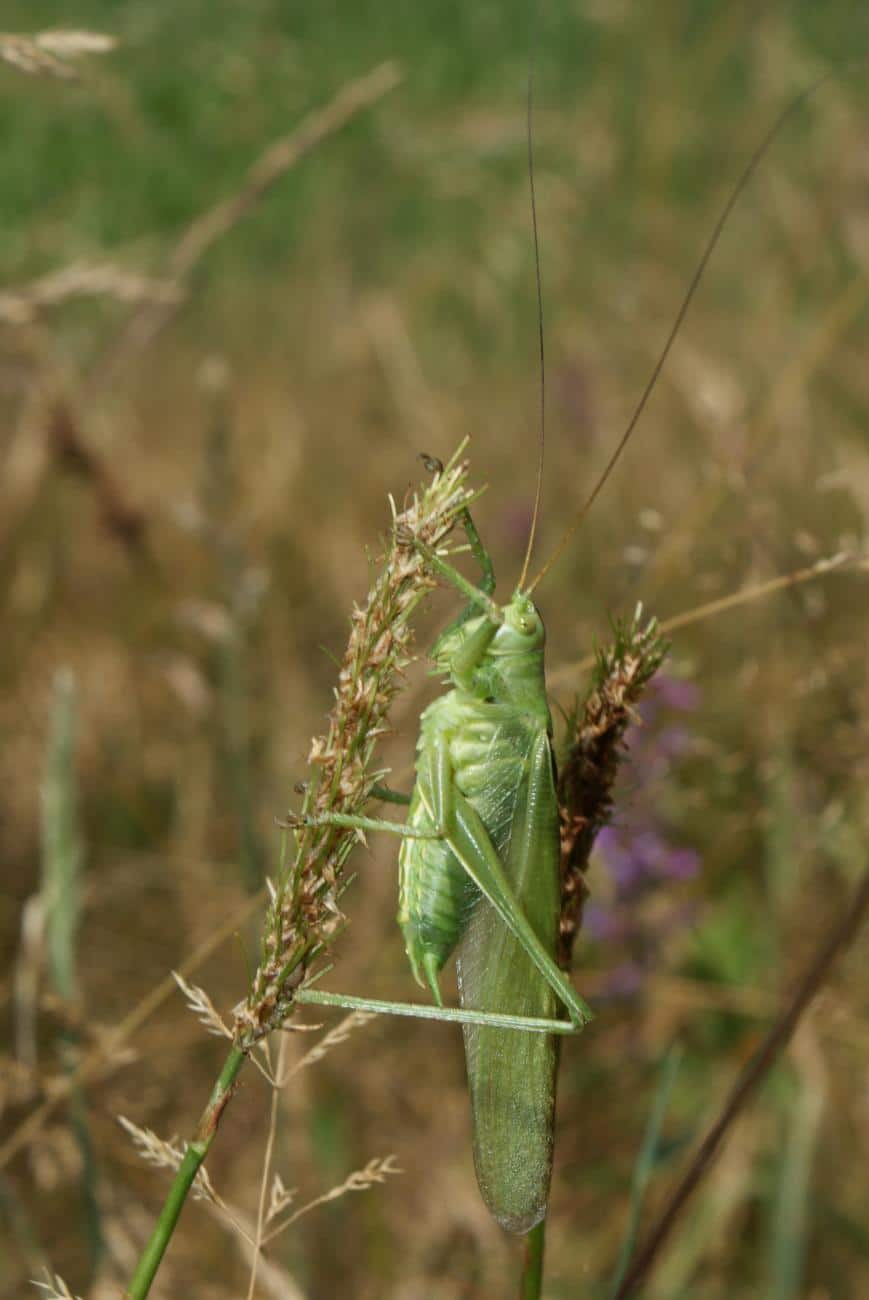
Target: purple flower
x,y
641,854
624,981
682,864
676,693
603,924
673,741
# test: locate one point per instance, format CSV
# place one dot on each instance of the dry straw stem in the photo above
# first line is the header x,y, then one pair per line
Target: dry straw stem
x,y
330,1040
595,749
361,1180
23,305
278,1194
167,1155
207,228
841,562
304,915
55,1288
48,53
50,433
202,1007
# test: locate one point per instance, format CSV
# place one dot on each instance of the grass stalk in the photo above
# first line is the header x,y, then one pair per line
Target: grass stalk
x,y
197,1150
304,915
531,1281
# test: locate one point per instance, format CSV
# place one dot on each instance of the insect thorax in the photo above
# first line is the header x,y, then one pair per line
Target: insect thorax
x,y
509,671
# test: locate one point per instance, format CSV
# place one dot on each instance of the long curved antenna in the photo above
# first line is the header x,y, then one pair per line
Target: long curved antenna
x,y
748,171
541,348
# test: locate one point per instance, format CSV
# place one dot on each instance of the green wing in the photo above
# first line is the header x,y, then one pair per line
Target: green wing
x,y
511,1075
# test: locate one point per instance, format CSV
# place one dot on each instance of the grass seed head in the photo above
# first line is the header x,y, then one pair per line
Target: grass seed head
x,y
595,747
305,913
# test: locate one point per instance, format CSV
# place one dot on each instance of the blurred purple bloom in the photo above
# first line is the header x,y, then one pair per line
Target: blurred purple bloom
x,y
682,863
669,693
624,981
673,741
676,693
635,858
603,924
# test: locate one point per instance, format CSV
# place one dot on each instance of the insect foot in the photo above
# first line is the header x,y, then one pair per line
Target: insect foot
x,y
292,821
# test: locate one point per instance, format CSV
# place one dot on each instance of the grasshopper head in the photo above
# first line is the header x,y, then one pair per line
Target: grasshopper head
x,y
522,631
512,669
500,662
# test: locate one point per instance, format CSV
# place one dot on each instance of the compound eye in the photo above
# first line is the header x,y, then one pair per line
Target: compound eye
x,y
526,626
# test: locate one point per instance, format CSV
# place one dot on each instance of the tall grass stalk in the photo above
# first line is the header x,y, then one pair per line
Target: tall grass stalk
x,y
239,588
304,915
531,1279
62,851
792,1204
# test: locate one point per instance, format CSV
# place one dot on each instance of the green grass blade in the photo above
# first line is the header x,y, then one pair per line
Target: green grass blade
x,y
61,840
645,1163
791,1206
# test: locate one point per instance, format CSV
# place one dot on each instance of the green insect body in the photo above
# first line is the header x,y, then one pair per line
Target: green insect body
x,y
486,783
479,876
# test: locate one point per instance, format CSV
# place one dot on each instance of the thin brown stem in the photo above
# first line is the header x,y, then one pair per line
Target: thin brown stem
x,y
815,975
841,563
267,1169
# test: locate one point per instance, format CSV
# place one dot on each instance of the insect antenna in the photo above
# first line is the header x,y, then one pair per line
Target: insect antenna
x,y
538,279
754,160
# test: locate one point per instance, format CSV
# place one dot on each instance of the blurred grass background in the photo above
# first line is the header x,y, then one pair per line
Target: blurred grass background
x,y
377,303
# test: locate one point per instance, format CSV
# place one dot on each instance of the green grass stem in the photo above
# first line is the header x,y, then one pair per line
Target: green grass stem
x,y
167,1221
531,1280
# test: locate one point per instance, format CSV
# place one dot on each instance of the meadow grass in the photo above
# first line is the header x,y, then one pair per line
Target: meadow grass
x,y
379,303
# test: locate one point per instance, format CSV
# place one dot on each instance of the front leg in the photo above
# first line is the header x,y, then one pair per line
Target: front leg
x,y
475,541
352,822
476,595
